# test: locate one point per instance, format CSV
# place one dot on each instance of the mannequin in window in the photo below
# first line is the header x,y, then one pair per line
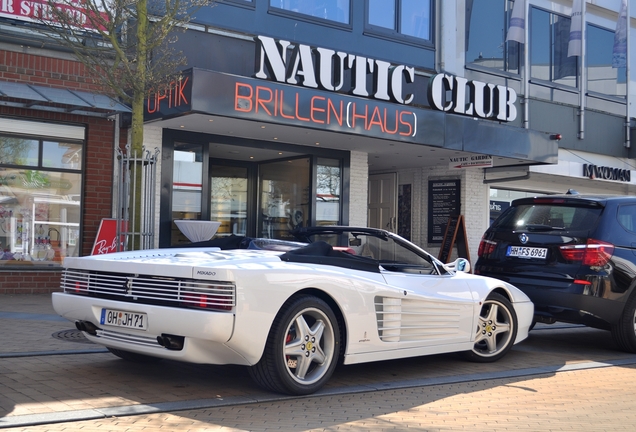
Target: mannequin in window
x,y
295,220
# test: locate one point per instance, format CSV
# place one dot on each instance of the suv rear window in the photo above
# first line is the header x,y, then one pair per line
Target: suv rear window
x,y
540,216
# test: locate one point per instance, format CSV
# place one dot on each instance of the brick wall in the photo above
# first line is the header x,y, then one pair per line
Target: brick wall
x,y
45,71
29,282
99,157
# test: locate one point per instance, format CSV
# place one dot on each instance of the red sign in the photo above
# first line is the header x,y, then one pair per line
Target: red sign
x,y
106,240
45,10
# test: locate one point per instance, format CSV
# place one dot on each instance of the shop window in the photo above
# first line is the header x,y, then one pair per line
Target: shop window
x,y
411,18
40,190
487,25
187,186
328,192
549,37
228,199
601,76
331,10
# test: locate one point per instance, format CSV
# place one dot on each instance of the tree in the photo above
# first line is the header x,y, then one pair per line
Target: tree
x,y
124,44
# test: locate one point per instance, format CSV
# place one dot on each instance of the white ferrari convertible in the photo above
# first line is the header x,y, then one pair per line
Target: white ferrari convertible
x,y
291,311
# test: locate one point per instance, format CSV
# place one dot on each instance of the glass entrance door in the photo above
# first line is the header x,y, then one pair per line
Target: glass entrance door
x,y
229,199
284,197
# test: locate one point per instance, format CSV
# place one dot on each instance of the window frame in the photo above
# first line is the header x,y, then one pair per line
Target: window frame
x,y
273,10
38,265
394,34
507,14
550,83
246,4
593,93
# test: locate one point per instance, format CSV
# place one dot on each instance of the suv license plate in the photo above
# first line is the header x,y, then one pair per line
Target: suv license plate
x,y
133,320
527,252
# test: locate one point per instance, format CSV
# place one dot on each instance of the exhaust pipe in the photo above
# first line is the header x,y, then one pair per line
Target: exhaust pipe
x,y
87,326
171,342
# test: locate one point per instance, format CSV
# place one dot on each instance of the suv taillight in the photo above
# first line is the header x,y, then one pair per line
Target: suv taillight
x,y
594,253
486,247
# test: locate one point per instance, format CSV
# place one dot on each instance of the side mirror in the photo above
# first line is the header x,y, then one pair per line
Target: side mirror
x,y
461,265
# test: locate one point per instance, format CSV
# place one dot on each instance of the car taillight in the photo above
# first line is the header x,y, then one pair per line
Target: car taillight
x,y
486,247
593,253
208,301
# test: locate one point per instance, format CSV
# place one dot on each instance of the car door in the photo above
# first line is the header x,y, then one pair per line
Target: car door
x,y
425,309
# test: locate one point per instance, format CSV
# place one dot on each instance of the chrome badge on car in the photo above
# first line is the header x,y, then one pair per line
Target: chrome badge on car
x,y
523,238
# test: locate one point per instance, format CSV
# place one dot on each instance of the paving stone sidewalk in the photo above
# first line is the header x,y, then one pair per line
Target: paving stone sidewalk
x,y
29,325
559,375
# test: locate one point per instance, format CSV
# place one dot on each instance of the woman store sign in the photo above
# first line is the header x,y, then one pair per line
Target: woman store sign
x,y
47,11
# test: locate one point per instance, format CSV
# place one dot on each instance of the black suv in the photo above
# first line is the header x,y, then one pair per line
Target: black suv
x,y
573,255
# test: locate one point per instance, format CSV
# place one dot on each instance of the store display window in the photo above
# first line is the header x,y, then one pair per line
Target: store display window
x,y
40,190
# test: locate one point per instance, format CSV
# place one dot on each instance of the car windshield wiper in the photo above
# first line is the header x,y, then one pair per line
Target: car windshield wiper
x,y
542,227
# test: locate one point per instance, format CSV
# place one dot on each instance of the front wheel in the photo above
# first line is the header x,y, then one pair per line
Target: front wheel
x,y
302,348
496,330
624,332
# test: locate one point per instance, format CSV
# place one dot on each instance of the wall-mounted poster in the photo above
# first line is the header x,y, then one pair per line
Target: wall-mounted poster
x,y
443,202
404,211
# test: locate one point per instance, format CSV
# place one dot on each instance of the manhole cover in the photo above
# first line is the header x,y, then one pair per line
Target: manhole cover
x,y
71,336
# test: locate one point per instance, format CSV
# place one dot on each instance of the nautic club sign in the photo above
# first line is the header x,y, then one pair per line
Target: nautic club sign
x,y
299,84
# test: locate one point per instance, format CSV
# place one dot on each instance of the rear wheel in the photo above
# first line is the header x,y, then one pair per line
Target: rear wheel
x,y
496,330
302,348
133,357
624,332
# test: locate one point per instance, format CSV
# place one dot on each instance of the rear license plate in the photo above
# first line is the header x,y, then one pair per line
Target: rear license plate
x,y
133,320
527,252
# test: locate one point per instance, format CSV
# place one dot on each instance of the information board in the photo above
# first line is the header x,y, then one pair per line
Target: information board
x,y
443,202
455,234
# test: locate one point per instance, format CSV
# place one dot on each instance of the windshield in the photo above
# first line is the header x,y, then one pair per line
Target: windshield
x,y
390,252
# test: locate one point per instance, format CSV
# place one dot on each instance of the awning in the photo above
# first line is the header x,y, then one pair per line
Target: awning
x,y
59,100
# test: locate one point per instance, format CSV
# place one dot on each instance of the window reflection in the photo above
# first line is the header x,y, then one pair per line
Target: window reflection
x,y
549,37
18,151
39,207
284,197
414,16
486,29
61,155
186,186
328,192
333,10
382,14
39,216
228,199
601,76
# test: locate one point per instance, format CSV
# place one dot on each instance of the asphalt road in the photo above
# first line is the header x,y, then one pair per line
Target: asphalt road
x,y
562,378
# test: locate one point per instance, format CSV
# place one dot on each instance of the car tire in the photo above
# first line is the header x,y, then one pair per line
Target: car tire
x,y
134,357
302,348
624,332
496,330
